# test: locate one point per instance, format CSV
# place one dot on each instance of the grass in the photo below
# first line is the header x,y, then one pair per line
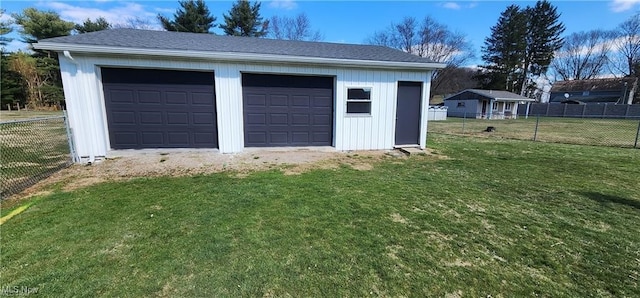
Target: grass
x,y
23,115
491,217
586,131
30,151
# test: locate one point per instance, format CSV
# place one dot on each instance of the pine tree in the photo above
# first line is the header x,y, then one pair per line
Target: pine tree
x,y
11,83
194,16
37,25
504,49
91,26
521,47
47,83
244,20
543,40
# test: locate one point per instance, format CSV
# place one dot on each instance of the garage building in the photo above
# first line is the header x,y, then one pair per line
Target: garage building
x,y
137,89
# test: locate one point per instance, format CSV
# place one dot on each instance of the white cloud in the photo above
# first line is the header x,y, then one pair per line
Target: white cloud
x,y
283,4
119,14
457,6
623,5
451,5
6,17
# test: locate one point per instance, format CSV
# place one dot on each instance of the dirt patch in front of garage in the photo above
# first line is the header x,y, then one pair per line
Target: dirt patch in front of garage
x,y
178,163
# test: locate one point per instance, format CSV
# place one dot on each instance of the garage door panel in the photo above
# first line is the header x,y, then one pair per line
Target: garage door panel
x,y
201,99
152,137
178,118
300,119
278,100
256,100
176,98
203,119
324,120
278,119
256,119
295,106
163,109
125,137
322,102
321,137
256,138
149,97
300,101
176,138
203,138
124,118
150,118
121,96
279,137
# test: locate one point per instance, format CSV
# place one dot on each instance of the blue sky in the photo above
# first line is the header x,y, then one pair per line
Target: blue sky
x,y
352,21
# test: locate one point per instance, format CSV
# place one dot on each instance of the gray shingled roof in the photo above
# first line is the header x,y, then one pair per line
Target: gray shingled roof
x,y
613,84
495,94
164,40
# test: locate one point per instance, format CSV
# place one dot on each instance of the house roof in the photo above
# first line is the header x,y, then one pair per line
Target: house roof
x,y
610,84
498,95
199,45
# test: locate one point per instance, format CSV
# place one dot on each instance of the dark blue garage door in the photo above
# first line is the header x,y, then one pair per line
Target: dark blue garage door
x,y
283,110
160,108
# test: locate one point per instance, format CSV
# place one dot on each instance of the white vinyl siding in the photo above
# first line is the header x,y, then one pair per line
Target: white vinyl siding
x,y
85,102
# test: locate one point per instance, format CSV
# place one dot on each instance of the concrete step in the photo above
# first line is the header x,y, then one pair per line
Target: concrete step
x,y
410,150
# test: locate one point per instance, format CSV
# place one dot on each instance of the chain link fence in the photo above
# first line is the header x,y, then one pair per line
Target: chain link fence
x,y
31,150
597,131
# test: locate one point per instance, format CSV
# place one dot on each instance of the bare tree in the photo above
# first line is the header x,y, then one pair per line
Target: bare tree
x,y
429,39
583,56
627,45
293,28
136,23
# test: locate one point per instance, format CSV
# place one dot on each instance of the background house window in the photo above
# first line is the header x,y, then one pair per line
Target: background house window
x,y
461,104
507,106
495,105
359,100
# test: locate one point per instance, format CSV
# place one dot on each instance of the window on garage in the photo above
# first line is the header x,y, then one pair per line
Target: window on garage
x,y
359,101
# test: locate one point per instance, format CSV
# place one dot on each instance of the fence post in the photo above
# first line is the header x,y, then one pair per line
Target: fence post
x,y
535,133
72,150
635,144
464,119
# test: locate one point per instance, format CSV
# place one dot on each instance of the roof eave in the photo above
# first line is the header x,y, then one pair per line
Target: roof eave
x,y
232,56
514,99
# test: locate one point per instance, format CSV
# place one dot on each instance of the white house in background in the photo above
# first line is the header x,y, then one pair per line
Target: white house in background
x,y
485,104
137,89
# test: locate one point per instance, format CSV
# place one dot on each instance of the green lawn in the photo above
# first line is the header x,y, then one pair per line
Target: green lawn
x,y
503,218
30,151
586,131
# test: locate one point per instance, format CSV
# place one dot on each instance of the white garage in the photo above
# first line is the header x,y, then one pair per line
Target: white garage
x,y
136,89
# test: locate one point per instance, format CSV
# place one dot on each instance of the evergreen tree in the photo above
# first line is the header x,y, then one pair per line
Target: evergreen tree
x,y
91,26
504,50
543,40
194,16
37,25
521,47
244,20
42,71
11,84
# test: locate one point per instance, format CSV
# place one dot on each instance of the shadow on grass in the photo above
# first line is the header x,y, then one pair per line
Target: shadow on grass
x,y
609,199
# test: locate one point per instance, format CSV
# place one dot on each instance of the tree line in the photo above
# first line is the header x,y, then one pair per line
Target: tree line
x,y
526,46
